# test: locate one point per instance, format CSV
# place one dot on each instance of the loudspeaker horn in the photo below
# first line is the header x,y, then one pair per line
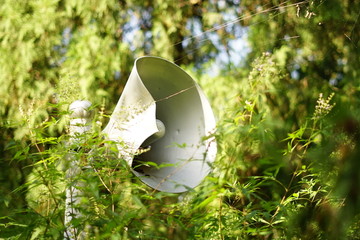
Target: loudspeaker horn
x,y
162,125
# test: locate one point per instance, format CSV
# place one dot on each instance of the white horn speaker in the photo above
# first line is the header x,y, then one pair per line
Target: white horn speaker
x,y
162,125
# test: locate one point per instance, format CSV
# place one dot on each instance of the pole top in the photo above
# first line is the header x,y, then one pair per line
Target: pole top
x,y
80,109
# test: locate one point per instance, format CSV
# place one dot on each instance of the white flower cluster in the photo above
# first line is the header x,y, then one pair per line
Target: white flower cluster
x,y
323,106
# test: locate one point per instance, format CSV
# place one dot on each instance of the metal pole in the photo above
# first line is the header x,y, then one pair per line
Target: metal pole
x,y
79,125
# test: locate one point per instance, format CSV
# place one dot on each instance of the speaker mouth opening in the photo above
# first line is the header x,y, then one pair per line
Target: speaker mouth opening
x,y
139,164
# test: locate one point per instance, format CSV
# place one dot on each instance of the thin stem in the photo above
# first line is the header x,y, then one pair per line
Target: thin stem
x,y
220,223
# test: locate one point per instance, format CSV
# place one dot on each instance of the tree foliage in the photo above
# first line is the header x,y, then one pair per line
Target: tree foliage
x,y
288,117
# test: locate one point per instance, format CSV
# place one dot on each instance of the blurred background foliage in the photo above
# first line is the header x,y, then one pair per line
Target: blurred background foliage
x,y
283,78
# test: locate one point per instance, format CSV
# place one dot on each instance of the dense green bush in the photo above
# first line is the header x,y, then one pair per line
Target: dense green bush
x,y
265,182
